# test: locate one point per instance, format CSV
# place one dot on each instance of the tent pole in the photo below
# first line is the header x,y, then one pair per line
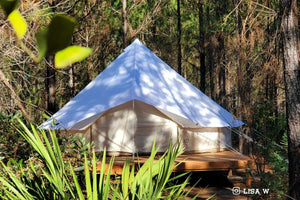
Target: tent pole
x,y
133,133
91,138
219,139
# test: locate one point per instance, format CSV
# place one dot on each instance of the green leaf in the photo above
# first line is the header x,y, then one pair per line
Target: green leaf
x,y
102,176
59,33
18,23
95,191
125,178
9,5
71,55
56,36
87,179
78,189
41,38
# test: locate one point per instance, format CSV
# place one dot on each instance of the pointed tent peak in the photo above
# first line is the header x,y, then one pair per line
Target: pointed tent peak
x,y
135,44
137,41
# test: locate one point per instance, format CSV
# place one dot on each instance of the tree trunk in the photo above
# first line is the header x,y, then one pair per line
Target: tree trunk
x,y
124,15
222,76
220,10
72,82
292,89
179,37
50,85
210,57
201,48
239,74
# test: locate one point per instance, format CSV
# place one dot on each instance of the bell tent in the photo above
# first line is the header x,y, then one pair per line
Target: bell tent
x,y
139,98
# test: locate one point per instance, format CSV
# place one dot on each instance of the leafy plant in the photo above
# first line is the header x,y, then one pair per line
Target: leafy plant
x,y
15,18
75,146
53,39
49,176
151,180
12,145
274,175
47,180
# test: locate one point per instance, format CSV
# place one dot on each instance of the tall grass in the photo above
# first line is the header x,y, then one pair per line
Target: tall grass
x,y
54,178
47,180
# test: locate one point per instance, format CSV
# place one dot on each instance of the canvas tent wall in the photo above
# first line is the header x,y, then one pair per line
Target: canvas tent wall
x,y
139,96
134,125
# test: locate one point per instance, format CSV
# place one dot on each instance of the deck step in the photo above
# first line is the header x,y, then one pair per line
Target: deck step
x,y
242,179
234,178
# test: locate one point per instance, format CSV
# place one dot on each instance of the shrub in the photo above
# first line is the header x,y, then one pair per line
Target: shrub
x,y
53,178
12,145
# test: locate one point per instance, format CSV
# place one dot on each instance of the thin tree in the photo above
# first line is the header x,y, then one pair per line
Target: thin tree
x,y
201,47
50,85
220,10
209,56
292,89
72,81
238,70
179,37
124,15
50,80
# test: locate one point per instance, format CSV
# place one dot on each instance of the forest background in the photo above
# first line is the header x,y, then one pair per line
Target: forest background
x,y
231,50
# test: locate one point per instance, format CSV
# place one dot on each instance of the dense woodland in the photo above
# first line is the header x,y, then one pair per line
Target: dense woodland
x,y
231,50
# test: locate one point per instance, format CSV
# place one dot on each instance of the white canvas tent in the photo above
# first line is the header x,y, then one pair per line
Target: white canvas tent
x,y
139,97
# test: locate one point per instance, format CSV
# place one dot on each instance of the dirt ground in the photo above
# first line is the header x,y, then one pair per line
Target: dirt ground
x,y
216,193
216,186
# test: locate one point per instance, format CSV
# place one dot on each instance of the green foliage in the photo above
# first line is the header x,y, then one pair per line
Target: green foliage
x,y
57,35
46,180
53,39
17,21
9,6
274,172
12,146
49,176
71,55
75,146
151,179
279,163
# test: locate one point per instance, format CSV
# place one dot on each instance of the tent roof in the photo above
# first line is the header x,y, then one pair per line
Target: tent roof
x,y
139,74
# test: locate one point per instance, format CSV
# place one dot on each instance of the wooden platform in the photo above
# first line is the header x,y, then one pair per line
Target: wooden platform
x,y
218,161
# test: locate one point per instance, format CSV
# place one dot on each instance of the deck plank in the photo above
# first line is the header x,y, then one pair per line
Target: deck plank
x,y
217,161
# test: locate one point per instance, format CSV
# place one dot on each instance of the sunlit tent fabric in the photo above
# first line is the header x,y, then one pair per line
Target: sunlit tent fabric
x,y
139,97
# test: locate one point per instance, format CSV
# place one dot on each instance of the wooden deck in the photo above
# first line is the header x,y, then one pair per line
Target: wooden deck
x,y
218,161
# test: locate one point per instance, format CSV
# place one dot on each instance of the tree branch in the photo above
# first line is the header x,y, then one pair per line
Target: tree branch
x,y
14,95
